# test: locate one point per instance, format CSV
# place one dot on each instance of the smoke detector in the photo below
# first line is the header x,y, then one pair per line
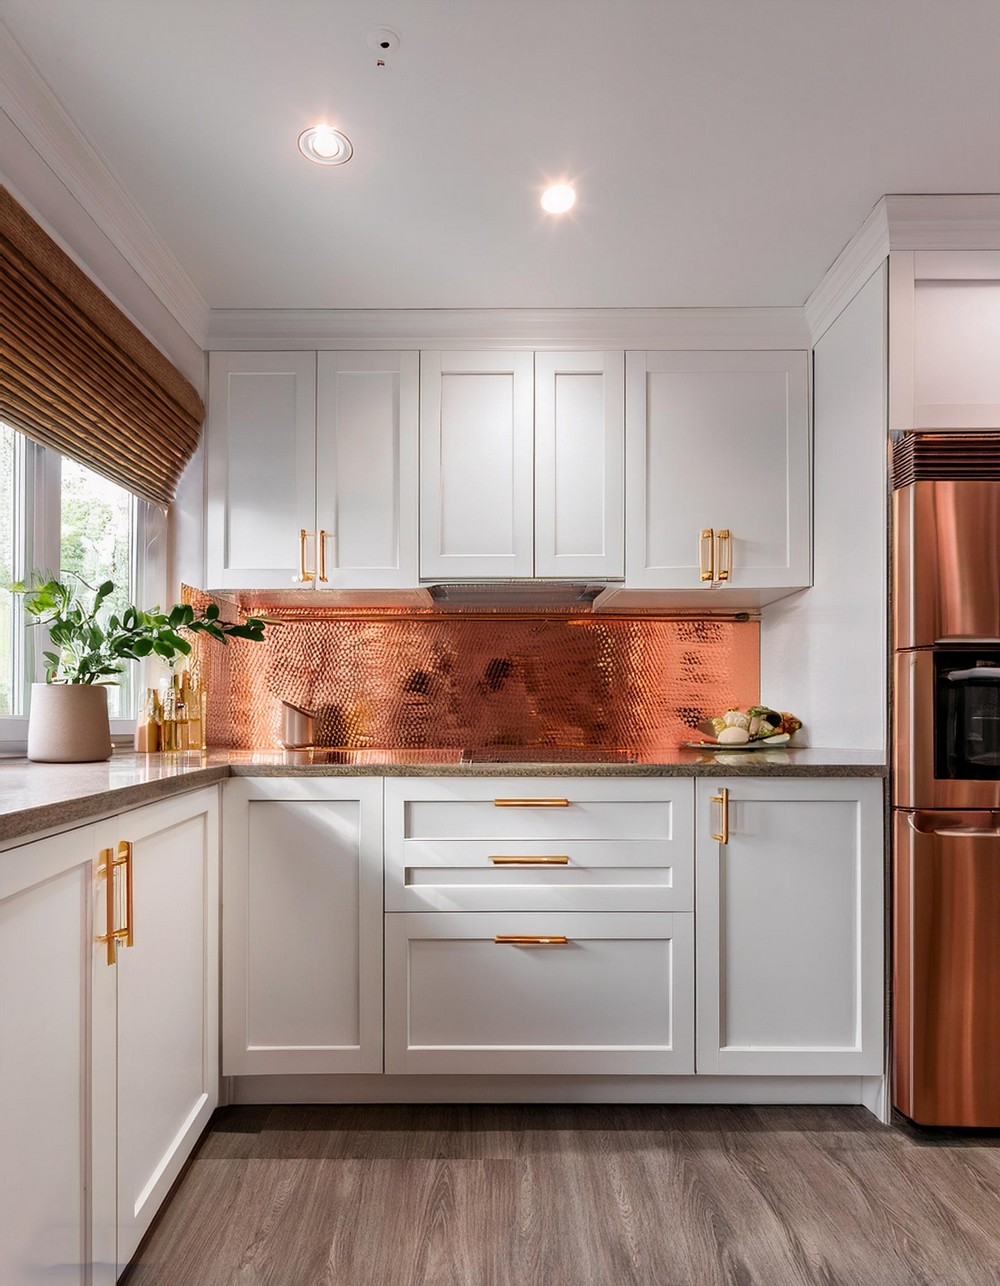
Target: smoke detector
x,y
383,40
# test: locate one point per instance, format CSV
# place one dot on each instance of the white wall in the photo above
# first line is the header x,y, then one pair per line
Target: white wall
x,y
823,652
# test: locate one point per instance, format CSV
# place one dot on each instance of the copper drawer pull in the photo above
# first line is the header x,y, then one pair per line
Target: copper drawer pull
x,y
531,939
303,575
722,799
531,803
560,859
706,567
108,868
725,562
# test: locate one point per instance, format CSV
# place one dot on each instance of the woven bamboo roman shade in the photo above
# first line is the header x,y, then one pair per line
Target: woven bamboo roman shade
x,y
77,376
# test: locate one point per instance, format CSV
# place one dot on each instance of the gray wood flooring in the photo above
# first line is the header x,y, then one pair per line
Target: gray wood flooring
x,y
577,1196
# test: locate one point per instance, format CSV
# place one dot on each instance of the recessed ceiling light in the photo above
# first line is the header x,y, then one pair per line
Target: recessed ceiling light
x,y
325,145
558,199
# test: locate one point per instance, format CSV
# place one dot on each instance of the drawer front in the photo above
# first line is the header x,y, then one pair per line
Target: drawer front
x,y
615,997
616,844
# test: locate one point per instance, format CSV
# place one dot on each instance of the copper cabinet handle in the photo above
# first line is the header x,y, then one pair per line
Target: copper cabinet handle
x,y
321,555
303,574
529,859
725,545
722,799
531,939
108,867
531,803
706,569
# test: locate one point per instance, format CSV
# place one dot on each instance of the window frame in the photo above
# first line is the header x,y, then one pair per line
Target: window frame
x,y
37,542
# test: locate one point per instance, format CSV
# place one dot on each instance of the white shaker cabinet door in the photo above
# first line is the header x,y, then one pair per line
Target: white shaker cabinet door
x,y
476,469
302,926
579,464
718,470
790,926
168,1002
261,470
48,905
366,469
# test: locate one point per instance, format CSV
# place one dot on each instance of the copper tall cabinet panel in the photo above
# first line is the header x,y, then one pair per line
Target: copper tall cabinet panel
x,y
946,778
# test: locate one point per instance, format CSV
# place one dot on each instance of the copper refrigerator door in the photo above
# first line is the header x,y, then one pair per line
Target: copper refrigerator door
x,y
946,1043
946,562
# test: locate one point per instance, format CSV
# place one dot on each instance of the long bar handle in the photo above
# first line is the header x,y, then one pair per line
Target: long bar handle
x,y
531,939
303,574
531,803
722,799
706,567
321,547
530,859
108,867
725,560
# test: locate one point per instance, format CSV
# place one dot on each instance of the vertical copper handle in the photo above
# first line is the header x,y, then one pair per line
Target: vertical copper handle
x,y
107,869
725,560
321,555
706,567
303,574
722,799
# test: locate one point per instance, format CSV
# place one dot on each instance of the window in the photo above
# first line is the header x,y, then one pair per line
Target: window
x,y
57,516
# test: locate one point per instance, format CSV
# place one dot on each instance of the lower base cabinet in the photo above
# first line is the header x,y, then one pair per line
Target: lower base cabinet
x,y
790,877
587,993
109,1056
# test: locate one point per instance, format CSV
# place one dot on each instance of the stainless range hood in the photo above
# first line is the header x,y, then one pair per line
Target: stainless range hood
x,y
536,594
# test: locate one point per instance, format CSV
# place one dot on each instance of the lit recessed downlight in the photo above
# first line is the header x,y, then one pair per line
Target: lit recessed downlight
x,y
325,146
558,199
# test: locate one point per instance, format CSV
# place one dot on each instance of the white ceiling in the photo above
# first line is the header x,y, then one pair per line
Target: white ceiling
x,y
724,151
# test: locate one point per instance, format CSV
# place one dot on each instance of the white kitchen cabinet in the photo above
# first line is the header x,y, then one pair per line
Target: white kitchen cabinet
x,y
539,992
790,926
312,470
718,470
108,1064
48,895
302,925
167,1003
521,462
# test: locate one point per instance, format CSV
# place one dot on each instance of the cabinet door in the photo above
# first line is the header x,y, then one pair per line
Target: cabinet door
x,y
261,469
476,472
718,442
47,926
168,996
302,926
790,927
366,469
602,993
579,464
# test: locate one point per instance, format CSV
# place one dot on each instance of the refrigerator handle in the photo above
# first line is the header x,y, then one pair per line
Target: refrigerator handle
x,y
969,824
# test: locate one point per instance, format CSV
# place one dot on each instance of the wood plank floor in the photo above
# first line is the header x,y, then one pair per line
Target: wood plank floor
x,y
577,1196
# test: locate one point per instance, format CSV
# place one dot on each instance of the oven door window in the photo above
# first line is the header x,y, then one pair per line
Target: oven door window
x,y
967,716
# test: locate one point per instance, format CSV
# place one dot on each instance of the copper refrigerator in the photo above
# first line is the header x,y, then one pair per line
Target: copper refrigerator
x,y
946,778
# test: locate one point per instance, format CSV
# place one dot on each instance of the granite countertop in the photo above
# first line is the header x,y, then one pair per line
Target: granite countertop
x,y
42,797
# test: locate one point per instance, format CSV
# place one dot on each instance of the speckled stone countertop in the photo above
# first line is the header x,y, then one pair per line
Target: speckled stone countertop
x,y
44,797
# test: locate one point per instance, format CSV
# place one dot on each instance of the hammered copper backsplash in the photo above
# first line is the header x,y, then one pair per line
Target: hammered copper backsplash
x,y
416,678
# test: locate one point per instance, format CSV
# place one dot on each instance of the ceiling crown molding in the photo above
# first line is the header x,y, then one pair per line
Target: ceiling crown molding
x,y
967,221
38,114
493,328
848,273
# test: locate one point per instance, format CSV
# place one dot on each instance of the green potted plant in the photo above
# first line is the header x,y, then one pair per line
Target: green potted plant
x,y
68,721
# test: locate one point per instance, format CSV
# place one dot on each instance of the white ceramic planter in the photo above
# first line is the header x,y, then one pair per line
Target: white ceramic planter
x,y
68,723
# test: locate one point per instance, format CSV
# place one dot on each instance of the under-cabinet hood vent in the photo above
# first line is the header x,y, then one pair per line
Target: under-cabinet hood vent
x,y
511,595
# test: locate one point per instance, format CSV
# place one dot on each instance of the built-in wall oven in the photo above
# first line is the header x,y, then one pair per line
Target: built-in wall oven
x,y
946,778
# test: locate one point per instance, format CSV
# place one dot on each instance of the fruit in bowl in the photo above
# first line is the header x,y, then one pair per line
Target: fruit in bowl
x,y
757,723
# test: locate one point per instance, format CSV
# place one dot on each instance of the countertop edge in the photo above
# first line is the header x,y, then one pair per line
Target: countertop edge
x,y
81,803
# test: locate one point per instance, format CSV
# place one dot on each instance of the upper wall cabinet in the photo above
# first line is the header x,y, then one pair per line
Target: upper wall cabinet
x,y
521,461
312,464
718,470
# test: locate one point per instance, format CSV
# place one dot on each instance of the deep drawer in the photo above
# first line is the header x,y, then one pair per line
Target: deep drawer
x,y
615,996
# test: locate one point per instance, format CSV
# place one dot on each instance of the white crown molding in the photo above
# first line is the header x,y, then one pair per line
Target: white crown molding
x,y
45,123
968,221
493,328
848,273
